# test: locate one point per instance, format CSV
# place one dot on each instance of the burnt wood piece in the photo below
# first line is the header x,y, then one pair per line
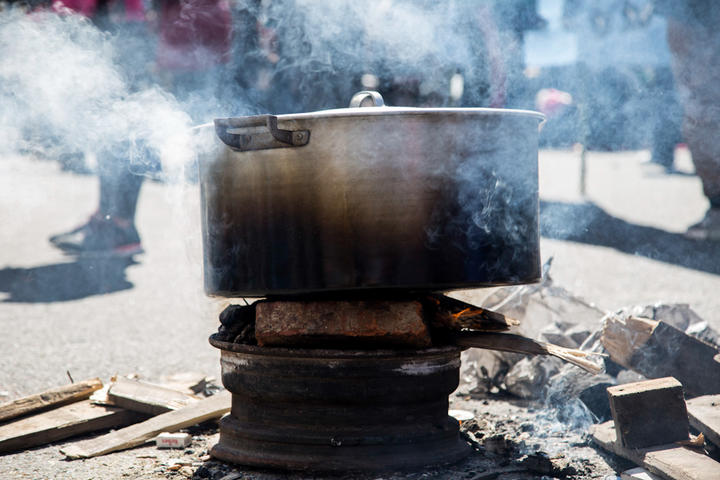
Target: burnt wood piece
x,y
49,398
507,342
237,324
449,313
671,462
341,323
657,349
649,413
134,435
61,423
148,398
704,413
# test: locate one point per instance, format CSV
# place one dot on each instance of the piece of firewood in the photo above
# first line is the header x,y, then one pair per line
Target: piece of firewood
x,y
651,412
134,435
144,397
449,313
50,398
704,415
657,349
671,462
61,423
507,342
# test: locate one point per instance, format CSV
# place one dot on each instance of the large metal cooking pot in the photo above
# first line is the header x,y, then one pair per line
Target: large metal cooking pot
x,y
371,198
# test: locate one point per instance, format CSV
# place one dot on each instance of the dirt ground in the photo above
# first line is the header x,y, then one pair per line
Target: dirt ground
x,y
619,245
511,440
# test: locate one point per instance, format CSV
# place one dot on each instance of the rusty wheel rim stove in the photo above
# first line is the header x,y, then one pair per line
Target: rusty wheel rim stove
x,y
339,410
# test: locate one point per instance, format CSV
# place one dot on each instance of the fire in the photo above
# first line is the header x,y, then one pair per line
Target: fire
x,y
467,312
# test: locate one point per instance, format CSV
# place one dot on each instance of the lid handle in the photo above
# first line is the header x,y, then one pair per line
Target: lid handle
x,y
367,98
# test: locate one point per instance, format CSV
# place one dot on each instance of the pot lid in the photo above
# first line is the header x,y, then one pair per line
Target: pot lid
x,y
261,132
370,103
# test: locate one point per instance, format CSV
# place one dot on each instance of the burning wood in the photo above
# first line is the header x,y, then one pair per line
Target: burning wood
x,y
433,320
450,313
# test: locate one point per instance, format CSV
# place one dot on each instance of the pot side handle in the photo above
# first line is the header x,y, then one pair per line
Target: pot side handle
x,y
259,132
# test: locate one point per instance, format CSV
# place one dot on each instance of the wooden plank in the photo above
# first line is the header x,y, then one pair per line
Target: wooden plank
x,y
49,398
704,414
134,435
657,349
147,398
61,423
671,462
651,412
186,382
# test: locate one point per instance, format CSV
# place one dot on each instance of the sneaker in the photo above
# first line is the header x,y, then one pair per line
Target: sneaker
x,y
100,237
706,229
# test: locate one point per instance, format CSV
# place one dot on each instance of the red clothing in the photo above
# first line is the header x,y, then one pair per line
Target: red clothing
x,y
134,10
194,34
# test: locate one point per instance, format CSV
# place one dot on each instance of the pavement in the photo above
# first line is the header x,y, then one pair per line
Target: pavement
x,y
620,244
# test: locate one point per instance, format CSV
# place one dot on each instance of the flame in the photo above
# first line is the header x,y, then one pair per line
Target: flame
x,y
468,312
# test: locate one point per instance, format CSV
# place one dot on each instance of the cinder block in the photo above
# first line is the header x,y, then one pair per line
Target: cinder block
x,y
649,413
332,324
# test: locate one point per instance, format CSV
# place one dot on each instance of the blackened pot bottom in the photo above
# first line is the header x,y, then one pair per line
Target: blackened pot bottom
x,y
339,410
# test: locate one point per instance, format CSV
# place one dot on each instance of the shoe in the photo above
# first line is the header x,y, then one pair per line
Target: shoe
x,y
100,237
706,229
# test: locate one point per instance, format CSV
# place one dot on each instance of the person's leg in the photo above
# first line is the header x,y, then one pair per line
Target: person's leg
x,y
667,121
696,62
119,189
111,229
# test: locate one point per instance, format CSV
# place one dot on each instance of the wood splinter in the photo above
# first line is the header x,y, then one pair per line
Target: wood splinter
x,y
507,342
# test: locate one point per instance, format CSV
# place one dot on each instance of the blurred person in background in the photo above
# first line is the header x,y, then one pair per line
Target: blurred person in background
x,y
111,229
624,80
193,42
694,39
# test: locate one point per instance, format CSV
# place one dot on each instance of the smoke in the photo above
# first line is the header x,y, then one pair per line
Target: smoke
x,y
61,85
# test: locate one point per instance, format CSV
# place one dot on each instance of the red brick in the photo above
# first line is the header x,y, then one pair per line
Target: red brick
x,y
336,324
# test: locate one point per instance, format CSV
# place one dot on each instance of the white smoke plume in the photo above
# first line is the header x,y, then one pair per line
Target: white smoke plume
x,y
60,86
